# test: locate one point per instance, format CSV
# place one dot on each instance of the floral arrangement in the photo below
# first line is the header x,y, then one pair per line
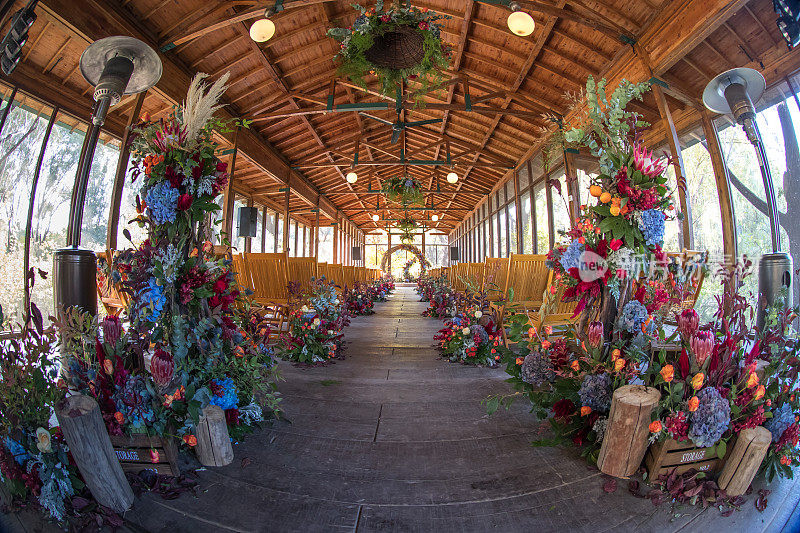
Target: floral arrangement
x,y
470,338
374,23
34,459
405,190
316,323
407,225
378,290
440,297
187,317
359,300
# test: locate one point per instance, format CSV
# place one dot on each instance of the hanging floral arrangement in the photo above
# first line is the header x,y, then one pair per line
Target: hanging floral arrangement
x,y
405,190
403,42
407,225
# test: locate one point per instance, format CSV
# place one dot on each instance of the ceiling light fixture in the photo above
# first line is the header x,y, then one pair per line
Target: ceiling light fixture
x,y
351,177
452,177
376,217
435,218
262,30
788,20
519,22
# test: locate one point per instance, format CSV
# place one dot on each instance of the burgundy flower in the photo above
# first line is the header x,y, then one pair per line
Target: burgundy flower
x,y
220,286
563,409
595,334
197,172
112,329
221,167
702,344
185,202
175,179
232,417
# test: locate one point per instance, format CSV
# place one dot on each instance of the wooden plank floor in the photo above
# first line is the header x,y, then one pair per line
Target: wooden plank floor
x,y
395,439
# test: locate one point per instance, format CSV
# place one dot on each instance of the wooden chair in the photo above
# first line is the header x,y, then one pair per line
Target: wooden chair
x,y
336,273
301,270
495,275
474,274
114,301
528,277
348,276
322,271
270,277
554,312
241,273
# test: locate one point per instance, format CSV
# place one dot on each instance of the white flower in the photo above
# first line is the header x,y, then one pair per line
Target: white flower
x,y
465,331
304,309
478,313
316,322
330,332
336,301
43,440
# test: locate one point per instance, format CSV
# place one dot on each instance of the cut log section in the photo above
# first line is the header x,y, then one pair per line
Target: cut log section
x,y
744,461
86,435
213,441
625,441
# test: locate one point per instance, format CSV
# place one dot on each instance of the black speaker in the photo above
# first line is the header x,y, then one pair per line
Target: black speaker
x,y
248,221
356,253
454,253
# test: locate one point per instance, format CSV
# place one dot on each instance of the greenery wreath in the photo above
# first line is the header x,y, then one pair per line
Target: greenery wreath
x,y
407,225
411,43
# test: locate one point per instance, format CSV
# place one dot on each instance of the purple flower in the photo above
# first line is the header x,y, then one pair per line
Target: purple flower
x,y
596,392
711,419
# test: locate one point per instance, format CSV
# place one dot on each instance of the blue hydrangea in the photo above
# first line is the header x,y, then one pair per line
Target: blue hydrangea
x,y
456,321
17,450
153,299
226,397
162,201
651,224
537,369
782,418
633,316
480,332
711,419
309,317
596,392
135,402
571,258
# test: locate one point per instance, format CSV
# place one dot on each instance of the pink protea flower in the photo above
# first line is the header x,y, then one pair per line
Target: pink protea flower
x,y
646,163
112,329
688,322
595,334
171,135
702,344
162,367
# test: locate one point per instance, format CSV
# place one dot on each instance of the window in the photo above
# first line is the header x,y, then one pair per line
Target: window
x,y
527,225
269,233
542,219
512,227
325,244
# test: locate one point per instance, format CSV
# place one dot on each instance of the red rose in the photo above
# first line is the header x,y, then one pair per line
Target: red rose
x,y
222,167
214,301
615,244
562,409
220,286
185,202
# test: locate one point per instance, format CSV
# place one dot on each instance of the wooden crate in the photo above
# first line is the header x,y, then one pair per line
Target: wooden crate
x,y
134,454
664,457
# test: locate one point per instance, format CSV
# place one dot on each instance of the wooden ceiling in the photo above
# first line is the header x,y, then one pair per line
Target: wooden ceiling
x,y
515,79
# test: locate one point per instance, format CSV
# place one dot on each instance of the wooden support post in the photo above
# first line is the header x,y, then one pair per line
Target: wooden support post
x,y
86,435
571,178
743,462
336,240
213,441
275,233
551,226
677,162
723,187
248,241
286,223
625,440
230,195
315,235
119,175
264,230
517,203
389,243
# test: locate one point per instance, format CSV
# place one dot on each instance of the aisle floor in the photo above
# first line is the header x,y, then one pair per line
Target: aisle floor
x,y
395,439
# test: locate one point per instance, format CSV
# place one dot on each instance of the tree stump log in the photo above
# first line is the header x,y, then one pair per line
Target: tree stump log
x,y
625,441
213,441
86,435
743,462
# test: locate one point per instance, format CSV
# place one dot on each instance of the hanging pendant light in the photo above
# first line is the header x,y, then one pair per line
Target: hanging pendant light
x,y
435,218
351,177
519,22
376,217
452,177
262,30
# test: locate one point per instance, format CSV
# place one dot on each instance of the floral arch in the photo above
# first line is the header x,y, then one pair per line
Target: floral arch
x,y
424,263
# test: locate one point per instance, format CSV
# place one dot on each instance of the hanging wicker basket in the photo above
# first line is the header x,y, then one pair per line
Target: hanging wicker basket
x,y
399,49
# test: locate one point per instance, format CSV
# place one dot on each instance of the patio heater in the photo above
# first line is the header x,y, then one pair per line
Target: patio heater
x,y
115,66
734,91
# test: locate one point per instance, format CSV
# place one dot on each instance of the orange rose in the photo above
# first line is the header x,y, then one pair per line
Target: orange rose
x,y
615,353
694,403
191,440
752,380
759,392
548,330
668,373
546,344
575,366
698,380
586,410
118,417
531,332
619,364
655,426
520,360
